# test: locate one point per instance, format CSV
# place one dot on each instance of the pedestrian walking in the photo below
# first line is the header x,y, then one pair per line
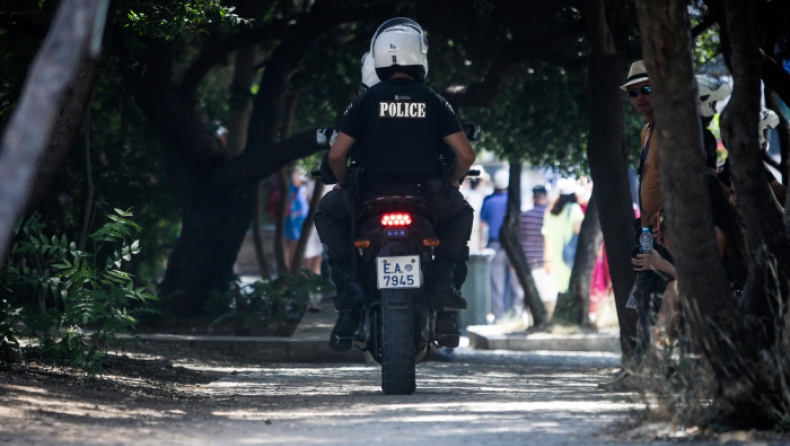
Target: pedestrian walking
x,y
506,292
561,223
475,190
298,206
532,242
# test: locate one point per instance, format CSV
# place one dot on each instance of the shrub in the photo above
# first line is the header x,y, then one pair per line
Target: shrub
x,y
74,304
275,304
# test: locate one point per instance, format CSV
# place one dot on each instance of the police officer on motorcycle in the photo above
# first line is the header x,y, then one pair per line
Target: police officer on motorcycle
x,y
397,127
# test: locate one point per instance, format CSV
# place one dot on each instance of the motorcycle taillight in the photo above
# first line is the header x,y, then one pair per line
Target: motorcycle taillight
x,y
396,219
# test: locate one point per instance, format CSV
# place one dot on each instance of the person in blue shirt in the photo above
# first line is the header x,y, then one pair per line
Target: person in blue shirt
x,y
298,206
506,292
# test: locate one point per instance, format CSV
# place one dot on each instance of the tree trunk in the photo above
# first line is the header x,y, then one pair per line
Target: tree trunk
x,y
609,167
73,109
510,237
212,232
217,196
573,307
214,226
30,127
257,235
307,228
240,95
86,223
776,77
716,329
279,224
766,292
764,222
283,182
772,102
666,43
240,102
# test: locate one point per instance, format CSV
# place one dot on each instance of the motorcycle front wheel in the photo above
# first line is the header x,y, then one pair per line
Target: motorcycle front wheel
x,y
398,375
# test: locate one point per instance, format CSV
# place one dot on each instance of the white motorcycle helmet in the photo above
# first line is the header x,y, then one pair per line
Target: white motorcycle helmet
x,y
711,91
768,120
369,76
400,45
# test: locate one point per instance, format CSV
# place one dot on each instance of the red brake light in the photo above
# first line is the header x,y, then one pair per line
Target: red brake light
x,y
396,219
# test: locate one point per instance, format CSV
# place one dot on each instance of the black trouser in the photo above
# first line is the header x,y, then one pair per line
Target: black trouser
x,y
453,229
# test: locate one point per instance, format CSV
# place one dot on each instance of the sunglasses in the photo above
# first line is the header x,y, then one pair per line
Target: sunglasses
x,y
634,92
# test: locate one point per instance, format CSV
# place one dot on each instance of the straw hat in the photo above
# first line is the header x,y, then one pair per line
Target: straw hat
x,y
637,74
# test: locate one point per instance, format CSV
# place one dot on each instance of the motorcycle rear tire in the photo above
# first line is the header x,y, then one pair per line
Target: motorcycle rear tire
x,y
398,376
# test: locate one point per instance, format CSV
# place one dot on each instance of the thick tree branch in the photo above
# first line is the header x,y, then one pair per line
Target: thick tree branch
x,y
198,70
484,94
703,26
510,239
776,77
323,16
254,167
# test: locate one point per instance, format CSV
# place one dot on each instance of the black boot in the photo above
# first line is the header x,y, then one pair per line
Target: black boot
x,y
345,327
447,330
445,294
348,304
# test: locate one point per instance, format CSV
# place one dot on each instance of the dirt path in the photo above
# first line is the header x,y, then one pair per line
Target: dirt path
x,y
481,398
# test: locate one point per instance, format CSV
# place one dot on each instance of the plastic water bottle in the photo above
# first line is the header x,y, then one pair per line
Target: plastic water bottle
x,y
645,241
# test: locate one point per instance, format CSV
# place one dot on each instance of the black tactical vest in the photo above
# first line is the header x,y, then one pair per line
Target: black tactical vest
x,y
401,137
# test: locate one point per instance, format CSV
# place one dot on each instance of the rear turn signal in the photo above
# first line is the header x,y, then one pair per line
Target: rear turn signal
x,y
362,244
396,219
431,242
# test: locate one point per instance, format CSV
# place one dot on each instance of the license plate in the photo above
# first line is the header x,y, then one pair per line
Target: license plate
x,y
398,272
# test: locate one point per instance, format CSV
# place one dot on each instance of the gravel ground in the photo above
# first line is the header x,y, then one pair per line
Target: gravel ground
x,y
492,398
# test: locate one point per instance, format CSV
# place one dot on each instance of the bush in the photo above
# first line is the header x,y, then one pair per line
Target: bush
x,y
273,304
73,304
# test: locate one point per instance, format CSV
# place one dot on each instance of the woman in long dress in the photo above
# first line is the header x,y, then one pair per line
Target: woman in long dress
x,y
562,221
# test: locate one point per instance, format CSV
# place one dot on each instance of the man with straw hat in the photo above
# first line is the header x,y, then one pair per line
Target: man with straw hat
x,y
650,199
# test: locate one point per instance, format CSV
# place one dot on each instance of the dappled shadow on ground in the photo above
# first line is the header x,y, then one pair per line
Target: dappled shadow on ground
x,y
465,402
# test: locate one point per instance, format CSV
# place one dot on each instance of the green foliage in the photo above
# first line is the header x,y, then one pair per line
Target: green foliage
x,y
269,303
170,20
64,292
128,170
282,298
9,317
708,44
540,117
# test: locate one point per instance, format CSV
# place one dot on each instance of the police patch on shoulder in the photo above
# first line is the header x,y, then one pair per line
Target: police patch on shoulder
x,y
348,108
450,107
401,110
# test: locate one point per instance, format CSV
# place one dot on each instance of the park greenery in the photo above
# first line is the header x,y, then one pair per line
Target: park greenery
x,y
138,130
73,303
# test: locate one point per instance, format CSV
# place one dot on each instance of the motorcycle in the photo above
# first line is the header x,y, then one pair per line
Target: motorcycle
x,y
394,234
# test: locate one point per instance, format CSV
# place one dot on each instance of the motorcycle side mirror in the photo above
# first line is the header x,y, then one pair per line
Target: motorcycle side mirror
x,y
473,132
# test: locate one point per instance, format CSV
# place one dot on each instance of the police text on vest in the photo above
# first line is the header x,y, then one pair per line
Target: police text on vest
x,y
401,109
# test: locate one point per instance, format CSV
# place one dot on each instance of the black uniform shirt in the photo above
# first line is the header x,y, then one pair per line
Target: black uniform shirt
x,y
399,124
